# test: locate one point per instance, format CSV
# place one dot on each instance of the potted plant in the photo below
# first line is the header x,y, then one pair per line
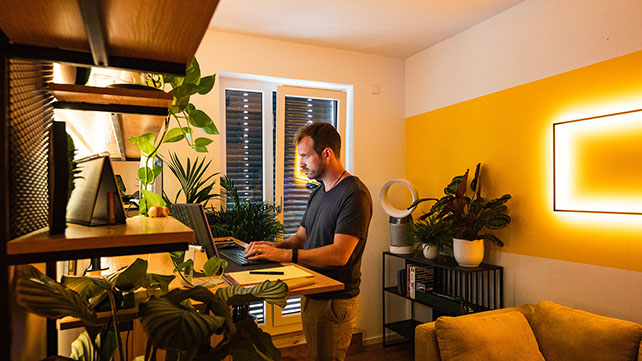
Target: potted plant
x,y
432,235
244,220
187,118
470,215
169,320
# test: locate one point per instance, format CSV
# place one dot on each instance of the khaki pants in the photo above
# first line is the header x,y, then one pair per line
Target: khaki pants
x,y
328,325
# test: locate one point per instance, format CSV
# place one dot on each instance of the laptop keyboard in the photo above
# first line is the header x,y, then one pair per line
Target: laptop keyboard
x,y
236,254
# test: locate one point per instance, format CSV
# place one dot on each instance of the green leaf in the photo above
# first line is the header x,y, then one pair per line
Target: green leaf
x,y
498,221
200,149
157,170
183,92
193,74
189,108
146,175
492,238
175,81
497,201
451,188
152,199
251,343
144,142
198,118
43,296
82,348
86,287
213,265
156,281
213,303
210,129
206,84
174,135
131,278
275,293
202,142
172,326
184,266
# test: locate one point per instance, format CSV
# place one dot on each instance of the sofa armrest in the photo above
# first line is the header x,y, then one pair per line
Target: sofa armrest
x,y
426,347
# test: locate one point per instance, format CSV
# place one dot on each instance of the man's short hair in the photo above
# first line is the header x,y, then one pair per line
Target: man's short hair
x,y
323,135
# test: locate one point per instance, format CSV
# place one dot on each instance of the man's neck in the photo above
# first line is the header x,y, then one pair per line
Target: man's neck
x,y
332,177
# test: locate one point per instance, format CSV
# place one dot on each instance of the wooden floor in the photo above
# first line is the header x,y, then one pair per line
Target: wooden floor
x,y
376,352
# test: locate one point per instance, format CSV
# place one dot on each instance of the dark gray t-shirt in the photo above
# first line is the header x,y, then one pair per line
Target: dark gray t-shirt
x,y
344,209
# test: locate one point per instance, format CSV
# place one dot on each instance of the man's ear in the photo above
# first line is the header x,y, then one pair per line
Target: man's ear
x,y
328,153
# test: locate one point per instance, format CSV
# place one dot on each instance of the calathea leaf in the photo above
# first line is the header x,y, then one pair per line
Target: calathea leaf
x,y
130,278
82,349
176,327
43,296
213,303
451,188
498,201
491,238
275,293
498,221
156,281
251,343
86,287
473,183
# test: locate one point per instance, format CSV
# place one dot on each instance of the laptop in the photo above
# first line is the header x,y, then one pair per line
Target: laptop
x,y
193,215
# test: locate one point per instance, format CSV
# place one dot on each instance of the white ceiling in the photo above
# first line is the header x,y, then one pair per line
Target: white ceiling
x,y
397,28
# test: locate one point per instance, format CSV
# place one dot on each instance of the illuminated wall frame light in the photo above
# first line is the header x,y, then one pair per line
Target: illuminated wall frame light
x,y
597,164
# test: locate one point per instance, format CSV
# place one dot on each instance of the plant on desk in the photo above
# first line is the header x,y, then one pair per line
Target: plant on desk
x,y
169,320
187,118
244,220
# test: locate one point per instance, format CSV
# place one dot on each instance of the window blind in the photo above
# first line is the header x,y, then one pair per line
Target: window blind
x,y
299,112
244,142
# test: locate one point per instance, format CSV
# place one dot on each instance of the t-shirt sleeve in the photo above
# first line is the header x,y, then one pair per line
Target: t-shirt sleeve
x,y
354,216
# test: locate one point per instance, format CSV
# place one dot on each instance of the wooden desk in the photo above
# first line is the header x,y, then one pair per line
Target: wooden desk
x,y
161,264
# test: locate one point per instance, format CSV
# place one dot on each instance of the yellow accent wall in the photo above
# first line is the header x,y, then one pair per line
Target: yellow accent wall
x,y
511,133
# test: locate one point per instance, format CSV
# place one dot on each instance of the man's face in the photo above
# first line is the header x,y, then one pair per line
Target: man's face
x,y
311,164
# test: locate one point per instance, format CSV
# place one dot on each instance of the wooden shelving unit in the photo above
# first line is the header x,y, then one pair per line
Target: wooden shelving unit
x,y
139,235
129,112
156,32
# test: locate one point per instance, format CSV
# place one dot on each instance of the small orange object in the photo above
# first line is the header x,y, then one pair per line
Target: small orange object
x,y
157,211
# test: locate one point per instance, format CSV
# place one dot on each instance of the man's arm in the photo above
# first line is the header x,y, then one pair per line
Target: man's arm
x,y
336,254
296,240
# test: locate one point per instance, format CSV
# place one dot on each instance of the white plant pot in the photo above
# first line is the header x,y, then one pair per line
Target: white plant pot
x,y
430,252
468,253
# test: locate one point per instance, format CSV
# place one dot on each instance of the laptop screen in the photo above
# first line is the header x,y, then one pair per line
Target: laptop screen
x,y
193,216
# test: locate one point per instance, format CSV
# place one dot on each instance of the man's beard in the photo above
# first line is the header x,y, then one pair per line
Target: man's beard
x,y
317,173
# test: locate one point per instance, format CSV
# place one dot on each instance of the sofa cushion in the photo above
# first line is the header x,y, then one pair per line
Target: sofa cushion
x,y
566,334
499,337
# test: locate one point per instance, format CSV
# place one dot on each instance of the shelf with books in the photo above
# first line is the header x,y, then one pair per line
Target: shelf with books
x,y
444,286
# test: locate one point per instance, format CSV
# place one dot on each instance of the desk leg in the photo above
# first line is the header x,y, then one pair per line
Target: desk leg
x,y
52,331
383,299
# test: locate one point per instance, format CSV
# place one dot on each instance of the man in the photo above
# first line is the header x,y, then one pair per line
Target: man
x,y
330,240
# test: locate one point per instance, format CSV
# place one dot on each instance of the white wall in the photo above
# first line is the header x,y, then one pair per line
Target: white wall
x,y
531,41
379,125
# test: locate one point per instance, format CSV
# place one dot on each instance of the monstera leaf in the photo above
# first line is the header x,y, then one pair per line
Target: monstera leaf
x,y
275,293
43,296
175,326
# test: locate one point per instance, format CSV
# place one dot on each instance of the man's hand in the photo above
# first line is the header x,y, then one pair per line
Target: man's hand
x,y
267,251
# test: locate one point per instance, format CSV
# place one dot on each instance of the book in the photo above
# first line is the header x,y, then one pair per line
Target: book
x,y
245,278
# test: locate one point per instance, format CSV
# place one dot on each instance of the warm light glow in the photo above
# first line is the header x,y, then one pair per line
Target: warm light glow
x,y
598,164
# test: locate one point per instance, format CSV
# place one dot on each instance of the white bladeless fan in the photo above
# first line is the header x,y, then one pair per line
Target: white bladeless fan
x,y
400,219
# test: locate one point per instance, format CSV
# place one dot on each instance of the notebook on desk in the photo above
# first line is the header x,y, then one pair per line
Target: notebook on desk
x,y
193,216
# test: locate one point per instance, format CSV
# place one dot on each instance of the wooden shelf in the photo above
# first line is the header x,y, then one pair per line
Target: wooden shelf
x,y
155,30
115,96
113,130
139,235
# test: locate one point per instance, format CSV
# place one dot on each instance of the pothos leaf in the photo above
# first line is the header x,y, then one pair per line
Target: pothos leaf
x,y
155,281
153,199
213,265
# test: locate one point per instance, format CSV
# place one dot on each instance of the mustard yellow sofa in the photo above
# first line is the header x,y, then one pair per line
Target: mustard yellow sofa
x,y
546,331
